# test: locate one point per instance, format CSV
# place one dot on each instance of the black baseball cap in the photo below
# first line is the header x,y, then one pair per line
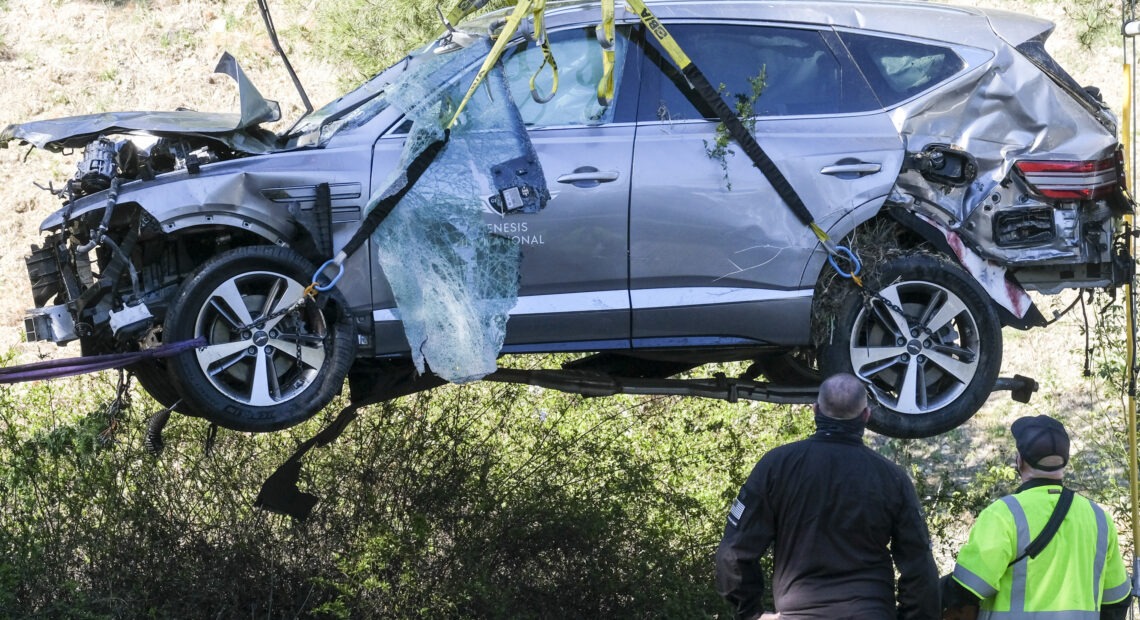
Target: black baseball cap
x,y
1041,441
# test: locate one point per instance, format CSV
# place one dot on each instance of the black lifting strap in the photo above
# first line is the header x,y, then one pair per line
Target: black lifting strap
x,y
751,147
736,129
416,168
1038,544
279,493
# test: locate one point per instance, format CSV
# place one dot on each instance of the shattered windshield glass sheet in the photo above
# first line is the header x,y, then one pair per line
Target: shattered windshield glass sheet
x,y
454,282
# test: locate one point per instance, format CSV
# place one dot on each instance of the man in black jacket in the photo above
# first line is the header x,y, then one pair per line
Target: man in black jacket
x,y
837,514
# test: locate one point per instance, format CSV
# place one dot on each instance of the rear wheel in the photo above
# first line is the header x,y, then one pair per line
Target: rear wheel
x,y
928,345
267,365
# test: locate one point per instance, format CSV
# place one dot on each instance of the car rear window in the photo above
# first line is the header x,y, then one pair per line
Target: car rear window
x,y
801,74
899,69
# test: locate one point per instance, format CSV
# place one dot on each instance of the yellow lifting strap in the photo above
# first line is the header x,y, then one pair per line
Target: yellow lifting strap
x,y
505,35
660,33
535,7
1130,323
462,9
605,36
539,12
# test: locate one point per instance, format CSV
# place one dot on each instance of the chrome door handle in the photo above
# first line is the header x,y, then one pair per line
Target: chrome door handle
x,y
589,176
857,169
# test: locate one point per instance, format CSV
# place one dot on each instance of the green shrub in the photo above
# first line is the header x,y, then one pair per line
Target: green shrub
x,y
485,501
372,34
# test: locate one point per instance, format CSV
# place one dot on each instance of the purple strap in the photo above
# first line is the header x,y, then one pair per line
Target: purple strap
x,y
54,369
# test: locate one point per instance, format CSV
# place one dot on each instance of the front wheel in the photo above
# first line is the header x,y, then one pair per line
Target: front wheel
x,y
268,364
926,341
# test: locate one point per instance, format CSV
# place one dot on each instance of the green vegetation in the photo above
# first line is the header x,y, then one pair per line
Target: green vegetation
x,y
1098,21
484,501
480,501
373,34
743,105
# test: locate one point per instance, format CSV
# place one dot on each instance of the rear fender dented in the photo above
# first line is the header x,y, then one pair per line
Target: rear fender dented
x,y
1015,307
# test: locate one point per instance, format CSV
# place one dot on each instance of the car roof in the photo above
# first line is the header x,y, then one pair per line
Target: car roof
x,y
915,18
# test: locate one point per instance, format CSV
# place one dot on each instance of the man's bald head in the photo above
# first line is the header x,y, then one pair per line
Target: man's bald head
x,y
842,396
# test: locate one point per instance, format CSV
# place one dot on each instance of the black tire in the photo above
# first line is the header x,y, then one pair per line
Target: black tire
x,y
933,373
153,376
257,374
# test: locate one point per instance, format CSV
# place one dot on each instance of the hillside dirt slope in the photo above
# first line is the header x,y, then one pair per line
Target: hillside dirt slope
x,y
68,58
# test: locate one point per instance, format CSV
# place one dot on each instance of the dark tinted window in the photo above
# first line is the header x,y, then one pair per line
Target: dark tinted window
x,y
898,69
801,74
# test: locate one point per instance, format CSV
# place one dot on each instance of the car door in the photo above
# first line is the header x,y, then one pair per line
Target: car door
x,y
574,275
716,257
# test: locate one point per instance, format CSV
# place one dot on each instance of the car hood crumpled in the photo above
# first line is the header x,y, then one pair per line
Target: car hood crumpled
x,y
239,132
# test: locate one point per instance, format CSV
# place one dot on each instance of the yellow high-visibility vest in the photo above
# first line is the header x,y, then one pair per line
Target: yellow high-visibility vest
x,y
1077,572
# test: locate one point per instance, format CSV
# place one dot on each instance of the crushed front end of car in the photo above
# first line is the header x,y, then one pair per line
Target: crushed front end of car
x,y
76,301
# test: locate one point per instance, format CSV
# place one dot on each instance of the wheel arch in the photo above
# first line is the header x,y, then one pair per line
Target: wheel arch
x,y
1013,305
842,228
924,384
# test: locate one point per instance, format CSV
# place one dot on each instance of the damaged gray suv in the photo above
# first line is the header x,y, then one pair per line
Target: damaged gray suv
x,y
953,156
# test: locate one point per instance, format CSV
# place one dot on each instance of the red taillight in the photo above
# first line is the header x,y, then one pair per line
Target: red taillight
x,y
1071,180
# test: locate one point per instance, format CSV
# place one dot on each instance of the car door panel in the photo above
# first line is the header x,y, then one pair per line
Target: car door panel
x,y
573,291
715,254
574,270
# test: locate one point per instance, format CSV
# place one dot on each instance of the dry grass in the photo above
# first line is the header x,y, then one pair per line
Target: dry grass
x,y
69,58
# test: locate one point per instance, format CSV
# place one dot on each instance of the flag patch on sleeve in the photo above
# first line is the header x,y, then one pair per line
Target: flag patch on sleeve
x,y
736,512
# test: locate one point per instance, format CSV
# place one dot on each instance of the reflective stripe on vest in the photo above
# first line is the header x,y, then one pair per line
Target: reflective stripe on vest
x,y
1017,596
1039,615
1118,593
1101,548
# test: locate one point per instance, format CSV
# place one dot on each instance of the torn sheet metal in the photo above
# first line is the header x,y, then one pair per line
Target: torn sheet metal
x,y
997,115
453,281
237,131
991,276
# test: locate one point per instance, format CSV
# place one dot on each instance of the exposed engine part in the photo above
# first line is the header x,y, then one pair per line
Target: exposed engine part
x,y
132,319
105,160
108,211
96,170
175,154
52,323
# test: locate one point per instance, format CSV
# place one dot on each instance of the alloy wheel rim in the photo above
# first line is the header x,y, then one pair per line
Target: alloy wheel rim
x,y
252,356
920,359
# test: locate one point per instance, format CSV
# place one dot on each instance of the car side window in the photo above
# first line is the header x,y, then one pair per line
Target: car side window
x,y
580,68
799,73
898,69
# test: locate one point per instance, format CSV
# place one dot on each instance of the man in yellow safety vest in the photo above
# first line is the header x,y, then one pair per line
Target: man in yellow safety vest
x,y
1043,552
